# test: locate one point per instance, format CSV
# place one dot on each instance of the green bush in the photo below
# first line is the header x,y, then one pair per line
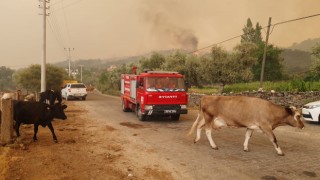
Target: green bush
x,y
298,85
204,90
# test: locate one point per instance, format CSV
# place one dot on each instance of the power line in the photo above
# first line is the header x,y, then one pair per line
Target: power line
x,y
297,19
273,25
58,2
60,32
67,27
71,4
57,28
56,34
64,40
292,20
216,44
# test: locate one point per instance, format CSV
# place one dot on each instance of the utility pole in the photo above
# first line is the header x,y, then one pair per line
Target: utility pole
x,y
69,57
264,54
81,72
43,62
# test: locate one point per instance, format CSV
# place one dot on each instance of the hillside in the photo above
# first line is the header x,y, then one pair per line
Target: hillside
x,y
305,45
98,63
106,63
297,58
296,61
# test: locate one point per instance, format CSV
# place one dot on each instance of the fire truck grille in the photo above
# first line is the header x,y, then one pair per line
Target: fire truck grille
x,y
164,107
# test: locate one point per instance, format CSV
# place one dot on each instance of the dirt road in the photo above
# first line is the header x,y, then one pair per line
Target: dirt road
x,y
99,141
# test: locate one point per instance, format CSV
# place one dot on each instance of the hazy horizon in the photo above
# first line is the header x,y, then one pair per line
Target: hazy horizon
x,y
101,29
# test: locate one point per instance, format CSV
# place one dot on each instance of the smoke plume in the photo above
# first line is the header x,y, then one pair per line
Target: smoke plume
x,y
166,30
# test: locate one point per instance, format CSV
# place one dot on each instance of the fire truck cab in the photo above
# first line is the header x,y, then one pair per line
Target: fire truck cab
x,y
154,93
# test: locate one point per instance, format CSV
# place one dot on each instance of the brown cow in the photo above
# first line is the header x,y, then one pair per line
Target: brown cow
x,y
241,111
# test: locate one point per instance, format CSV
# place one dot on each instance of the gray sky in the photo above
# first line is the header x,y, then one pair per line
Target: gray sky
x,y
115,28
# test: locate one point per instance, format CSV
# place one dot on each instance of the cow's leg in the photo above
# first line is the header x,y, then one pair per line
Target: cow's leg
x,y
16,127
35,129
52,131
273,139
199,129
209,136
246,141
212,144
207,121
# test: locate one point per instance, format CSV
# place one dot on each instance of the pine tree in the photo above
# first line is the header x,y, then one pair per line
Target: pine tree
x,y
248,33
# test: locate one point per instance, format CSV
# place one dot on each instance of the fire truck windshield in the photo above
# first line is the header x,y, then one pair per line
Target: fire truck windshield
x,y
164,84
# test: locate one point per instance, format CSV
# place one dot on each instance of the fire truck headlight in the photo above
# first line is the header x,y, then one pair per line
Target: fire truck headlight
x,y
148,107
183,106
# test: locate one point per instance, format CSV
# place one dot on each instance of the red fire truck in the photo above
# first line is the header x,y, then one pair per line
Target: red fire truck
x,y
154,93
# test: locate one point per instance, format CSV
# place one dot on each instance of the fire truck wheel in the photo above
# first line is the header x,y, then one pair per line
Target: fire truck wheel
x,y
124,109
141,117
175,117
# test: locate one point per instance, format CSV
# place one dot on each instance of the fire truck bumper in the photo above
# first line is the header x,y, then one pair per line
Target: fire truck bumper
x,y
165,112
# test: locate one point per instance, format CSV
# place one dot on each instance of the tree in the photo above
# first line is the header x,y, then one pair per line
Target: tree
x,y
192,74
109,81
225,68
89,75
6,81
175,62
154,62
29,78
54,76
315,67
257,34
273,66
208,65
316,51
219,67
251,34
245,58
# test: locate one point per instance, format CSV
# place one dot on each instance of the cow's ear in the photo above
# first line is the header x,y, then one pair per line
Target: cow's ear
x,y
289,110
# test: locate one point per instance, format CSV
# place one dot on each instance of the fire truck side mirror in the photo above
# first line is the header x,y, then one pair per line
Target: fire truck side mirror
x,y
140,83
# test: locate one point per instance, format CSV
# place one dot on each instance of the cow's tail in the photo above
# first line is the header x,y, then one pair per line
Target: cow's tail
x,y
196,122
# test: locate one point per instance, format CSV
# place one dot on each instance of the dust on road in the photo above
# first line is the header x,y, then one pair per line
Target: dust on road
x,y
99,141
87,149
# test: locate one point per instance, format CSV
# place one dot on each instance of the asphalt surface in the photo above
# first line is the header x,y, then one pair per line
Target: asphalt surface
x,y
168,140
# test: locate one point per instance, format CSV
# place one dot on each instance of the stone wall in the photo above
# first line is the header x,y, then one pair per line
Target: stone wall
x,y
280,98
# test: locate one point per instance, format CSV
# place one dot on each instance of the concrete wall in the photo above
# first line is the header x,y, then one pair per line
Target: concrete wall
x,y
280,98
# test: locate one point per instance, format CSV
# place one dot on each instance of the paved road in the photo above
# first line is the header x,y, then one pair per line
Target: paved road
x,y
198,161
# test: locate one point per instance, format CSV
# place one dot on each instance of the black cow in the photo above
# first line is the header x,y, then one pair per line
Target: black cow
x,y
51,96
37,113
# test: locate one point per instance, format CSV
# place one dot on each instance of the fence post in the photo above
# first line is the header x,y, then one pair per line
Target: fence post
x,y
19,95
6,121
0,113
